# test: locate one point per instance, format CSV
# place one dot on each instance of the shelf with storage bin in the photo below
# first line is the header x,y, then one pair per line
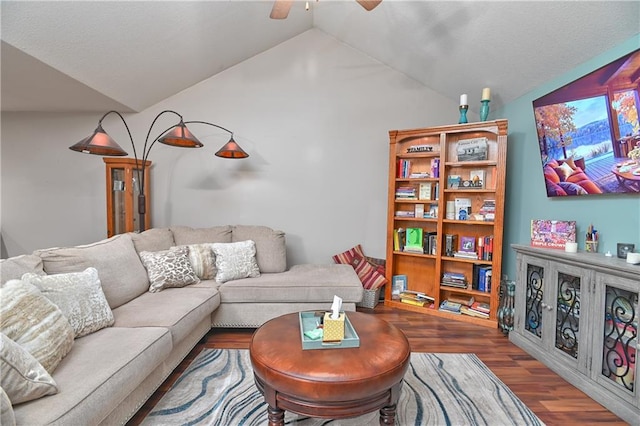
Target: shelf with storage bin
x,y
472,155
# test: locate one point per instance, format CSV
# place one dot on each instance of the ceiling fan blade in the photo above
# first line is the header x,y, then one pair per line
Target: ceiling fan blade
x,y
280,9
369,4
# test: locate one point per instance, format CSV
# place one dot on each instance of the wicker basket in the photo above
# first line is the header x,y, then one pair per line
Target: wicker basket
x,y
370,298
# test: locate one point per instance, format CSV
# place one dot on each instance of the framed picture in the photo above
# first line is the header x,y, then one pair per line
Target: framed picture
x,y
468,244
398,285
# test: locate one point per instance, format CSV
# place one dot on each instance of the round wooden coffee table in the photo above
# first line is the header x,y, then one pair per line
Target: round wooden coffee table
x,y
330,383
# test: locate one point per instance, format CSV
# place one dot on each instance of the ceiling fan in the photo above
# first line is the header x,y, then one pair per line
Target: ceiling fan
x,y
281,7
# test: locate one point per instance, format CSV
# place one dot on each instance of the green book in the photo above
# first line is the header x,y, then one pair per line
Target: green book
x,y
414,239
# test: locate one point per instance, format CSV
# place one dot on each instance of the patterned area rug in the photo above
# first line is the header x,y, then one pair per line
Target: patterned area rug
x,y
439,389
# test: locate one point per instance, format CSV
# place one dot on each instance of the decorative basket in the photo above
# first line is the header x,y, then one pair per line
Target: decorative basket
x,y
370,298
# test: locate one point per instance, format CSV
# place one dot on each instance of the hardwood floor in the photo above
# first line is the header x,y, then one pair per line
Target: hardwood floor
x,y
549,396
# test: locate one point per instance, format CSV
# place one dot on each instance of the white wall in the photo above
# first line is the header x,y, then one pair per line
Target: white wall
x,y
313,114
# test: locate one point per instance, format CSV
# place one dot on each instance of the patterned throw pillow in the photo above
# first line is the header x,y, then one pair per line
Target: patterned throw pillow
x,y
369,275
203,260
35,323
23,378
169,268
236,260
347,257
79,296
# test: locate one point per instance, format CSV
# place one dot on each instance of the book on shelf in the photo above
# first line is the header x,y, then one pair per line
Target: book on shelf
x,y
481,307
424,191
431,243
398,285
475,149
464,301
416,298
419,211
432,213
419,175
406,193
488,210
435,167
404,213
414,240
454,279
465,255
414,302
404,167
399,235
553,234
466,310
448,306
416,295
462,208
450,244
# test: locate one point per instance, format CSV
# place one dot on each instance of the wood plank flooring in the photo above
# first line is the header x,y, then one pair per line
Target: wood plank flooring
x,y
549,396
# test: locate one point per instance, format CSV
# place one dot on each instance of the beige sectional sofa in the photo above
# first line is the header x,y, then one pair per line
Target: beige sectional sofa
x,y
108,374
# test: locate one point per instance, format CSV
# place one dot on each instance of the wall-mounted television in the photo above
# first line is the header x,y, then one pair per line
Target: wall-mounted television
x,y
589,133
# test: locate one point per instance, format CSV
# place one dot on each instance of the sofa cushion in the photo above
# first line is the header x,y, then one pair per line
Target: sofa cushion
x,y
185,235
79,296
203,260
271,247
179,310
169,268
154,239
572,188
7,418
564,171
35,323
102,370
14,267
120,270
235,260
301,283
23,377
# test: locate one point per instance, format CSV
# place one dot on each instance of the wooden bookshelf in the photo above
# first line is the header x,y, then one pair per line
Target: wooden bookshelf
x,y
436,155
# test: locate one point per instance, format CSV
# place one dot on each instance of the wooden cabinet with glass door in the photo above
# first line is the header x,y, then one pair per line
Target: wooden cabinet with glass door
x,y
123,186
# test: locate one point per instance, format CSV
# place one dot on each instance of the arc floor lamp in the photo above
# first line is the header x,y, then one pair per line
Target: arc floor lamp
x,y
178,135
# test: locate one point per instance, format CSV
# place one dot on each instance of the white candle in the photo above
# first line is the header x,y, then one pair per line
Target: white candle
x,y
463,99
486,94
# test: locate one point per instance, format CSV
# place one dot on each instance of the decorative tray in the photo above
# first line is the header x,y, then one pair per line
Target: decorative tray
x,y
310,321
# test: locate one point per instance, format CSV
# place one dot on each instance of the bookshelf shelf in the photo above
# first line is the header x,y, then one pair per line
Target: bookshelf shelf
x,y
473,155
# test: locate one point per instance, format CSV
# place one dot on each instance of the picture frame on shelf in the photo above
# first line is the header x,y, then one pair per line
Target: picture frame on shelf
x,y
398,285
467,244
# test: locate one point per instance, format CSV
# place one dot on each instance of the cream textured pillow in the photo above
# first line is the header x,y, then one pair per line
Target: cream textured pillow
x,y
23,378
236,260
79,296
31,320
203,260
169,268
7,416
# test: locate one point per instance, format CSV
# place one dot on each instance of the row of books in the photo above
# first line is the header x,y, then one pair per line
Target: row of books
x,y
415,240
404,169
469,247
481,279
463,210
415,298
475,309
424,191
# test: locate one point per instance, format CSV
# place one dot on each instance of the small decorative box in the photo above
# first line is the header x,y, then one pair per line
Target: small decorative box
x,y
333,328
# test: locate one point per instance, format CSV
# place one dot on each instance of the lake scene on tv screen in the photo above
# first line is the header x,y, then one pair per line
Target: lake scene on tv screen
x,y
589,133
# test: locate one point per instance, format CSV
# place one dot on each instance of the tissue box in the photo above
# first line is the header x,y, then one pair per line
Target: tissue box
x,y
333,329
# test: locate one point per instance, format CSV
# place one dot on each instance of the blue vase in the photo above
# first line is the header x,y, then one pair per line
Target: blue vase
x,y
463,114
484,110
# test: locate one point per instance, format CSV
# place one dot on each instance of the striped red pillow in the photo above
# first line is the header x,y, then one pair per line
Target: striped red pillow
x,y
369,275
347,256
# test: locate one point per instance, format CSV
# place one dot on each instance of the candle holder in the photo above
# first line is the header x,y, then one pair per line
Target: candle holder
x,y
463,114
484,109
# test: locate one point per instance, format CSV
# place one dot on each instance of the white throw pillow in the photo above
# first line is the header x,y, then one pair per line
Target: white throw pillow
x,y
236,260
34,322
79,296
23,378
169,268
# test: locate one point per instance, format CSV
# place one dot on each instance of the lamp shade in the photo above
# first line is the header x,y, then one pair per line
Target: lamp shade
x,y
181,137
231,150
99,143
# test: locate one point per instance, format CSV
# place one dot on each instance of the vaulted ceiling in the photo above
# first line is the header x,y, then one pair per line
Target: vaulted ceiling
x,y
93,55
